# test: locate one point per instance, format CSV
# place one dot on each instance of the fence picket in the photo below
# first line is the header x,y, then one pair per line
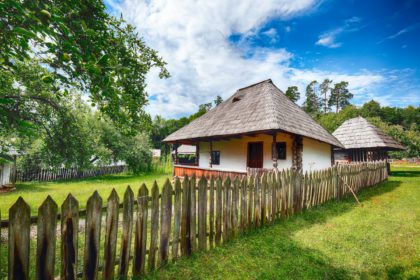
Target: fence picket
x,y
177,218
165,222
140,239
154,220
111,230
202,213
193,214
69,229
46,237
244,210
185,218
19,240
219,207
127,229
227,209
235,202
211,213
92,237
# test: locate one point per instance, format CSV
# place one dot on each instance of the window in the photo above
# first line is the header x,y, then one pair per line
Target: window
x,y
281,150
215,157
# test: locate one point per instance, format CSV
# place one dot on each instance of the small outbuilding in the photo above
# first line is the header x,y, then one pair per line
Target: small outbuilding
x,y
363,141
257,129
8,169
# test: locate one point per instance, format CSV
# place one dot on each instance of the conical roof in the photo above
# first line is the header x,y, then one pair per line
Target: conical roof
x,y
257,108
358,133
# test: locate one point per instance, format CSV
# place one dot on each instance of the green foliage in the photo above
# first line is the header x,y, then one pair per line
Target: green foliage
x,y
218,101
80,46
340,96
293,93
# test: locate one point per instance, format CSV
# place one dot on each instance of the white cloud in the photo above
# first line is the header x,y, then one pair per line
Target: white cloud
x,y
400,32
329,39
194,39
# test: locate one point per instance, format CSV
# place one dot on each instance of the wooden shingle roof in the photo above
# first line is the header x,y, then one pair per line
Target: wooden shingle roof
x,y
257,108
358,133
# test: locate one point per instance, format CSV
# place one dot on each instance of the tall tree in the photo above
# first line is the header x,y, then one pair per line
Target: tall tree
x,y
312,102
325,90
80,46
218,101
340,96
293,93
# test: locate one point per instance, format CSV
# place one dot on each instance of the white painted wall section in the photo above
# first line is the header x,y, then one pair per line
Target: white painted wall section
x,y
316,155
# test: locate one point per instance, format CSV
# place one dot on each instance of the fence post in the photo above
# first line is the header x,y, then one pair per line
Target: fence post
x,y
177,218
185,218
202,213
211,218
219,206
69,229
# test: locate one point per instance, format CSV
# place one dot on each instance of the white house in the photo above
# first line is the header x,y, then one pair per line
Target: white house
x,y
257,128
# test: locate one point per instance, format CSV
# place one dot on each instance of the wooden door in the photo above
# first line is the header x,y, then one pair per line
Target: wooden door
x,y
255,155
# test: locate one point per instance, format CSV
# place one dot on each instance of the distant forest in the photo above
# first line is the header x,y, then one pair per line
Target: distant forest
x,y
330,105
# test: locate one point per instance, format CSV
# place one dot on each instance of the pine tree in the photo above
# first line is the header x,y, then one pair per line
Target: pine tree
x,y
312,102
325,90
293,93
340,96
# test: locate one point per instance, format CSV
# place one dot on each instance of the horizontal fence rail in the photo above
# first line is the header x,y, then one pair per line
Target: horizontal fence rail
x,y
56,174
146,229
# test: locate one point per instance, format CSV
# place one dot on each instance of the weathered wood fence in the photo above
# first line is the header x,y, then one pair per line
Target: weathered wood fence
x,y
191,215
66,173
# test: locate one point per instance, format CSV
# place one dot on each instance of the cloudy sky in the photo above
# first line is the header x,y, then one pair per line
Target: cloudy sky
x,y
217,46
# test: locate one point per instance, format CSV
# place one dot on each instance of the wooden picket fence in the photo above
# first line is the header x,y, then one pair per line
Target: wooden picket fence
x,y
57,174
181,218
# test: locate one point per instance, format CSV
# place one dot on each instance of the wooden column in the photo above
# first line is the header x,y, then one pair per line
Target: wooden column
x,y
297,150
211,152
197,154
176,153
274,154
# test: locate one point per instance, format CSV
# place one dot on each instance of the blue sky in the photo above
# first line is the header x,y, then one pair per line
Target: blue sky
x,y
213,48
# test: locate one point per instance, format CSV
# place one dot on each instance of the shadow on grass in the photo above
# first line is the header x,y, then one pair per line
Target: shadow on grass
x,y
405,173
272,252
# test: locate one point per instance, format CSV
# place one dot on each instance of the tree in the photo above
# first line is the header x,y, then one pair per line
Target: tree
x,y
312,103
79,46
218,101
325,90
371,109
340,96
293,93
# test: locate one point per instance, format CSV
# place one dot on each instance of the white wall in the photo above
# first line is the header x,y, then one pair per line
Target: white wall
x,y
5,170
316,155
233,153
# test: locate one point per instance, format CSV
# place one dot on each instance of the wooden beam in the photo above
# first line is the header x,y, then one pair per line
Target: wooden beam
x,y
274,154
211,153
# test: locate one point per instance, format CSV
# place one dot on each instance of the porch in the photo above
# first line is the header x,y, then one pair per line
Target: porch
x,y
187,170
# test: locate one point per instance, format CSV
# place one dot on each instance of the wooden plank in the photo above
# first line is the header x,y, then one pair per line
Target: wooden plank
x,y
69,229
165,222
154,220
185,218
140,239
243,199
211,214
193,214
19,240
273,187
251,190
202,213
235,203
46,237
257,195
92,237
177,218
219,205
127,229
227,210
111,231
263,198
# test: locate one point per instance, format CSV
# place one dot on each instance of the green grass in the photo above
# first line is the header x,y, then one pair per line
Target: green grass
x,y
338,240
34,193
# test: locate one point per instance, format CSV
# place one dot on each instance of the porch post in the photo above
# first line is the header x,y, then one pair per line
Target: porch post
x,y
211,153
297,150
197,153
176,153
274,154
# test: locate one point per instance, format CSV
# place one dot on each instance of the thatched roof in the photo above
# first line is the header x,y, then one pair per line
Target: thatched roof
x,y
359,133
258,108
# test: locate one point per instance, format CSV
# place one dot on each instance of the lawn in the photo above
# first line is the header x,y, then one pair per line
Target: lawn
x,y
339,240
34,193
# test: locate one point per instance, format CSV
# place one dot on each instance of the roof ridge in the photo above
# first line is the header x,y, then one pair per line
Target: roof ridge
x,y
261,82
